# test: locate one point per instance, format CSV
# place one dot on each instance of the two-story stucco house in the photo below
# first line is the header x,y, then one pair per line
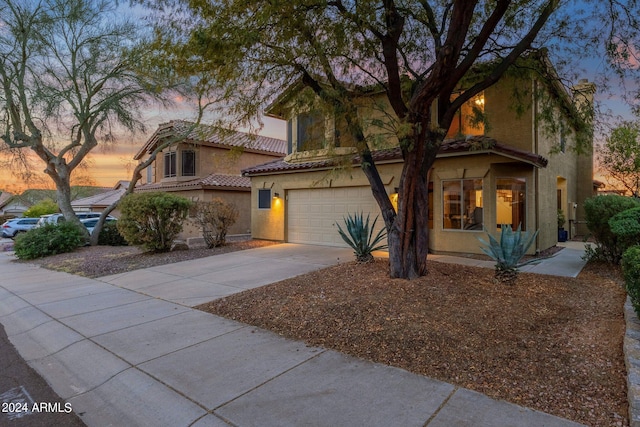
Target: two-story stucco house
x,y
203,162
516,171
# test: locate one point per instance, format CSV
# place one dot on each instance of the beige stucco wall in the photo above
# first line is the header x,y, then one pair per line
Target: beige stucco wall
x,y
571,173
567,170
504,123
488,168
209,160
270,224
242,200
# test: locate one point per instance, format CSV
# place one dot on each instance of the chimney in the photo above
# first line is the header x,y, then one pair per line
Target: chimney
x,y
583,93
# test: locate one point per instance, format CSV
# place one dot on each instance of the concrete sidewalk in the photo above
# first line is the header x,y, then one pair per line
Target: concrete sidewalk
x,y
128,349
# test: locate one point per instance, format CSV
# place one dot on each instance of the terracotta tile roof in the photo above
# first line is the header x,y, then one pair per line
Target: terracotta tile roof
x,y
215,136
451,147
208,182
482,144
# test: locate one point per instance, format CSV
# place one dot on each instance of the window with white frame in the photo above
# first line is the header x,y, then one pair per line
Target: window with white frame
x,y
462,205
170,164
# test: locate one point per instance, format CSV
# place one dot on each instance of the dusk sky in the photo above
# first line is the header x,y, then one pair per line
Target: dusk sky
x,y
110,164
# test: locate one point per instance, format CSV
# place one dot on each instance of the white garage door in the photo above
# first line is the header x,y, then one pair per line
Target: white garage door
x,y
312,214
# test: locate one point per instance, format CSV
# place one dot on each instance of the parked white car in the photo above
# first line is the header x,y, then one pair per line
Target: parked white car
x,y
14,226
58,217
90,223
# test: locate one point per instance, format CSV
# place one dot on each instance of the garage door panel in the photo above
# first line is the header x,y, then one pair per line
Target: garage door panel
x,y
315,223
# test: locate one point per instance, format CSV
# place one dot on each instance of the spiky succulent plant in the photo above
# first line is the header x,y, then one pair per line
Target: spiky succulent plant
x,y
360,236
509,251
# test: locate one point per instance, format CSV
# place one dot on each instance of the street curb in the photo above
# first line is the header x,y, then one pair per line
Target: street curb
x,y
632,361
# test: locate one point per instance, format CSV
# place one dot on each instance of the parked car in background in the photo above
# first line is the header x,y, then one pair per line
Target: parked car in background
x,y
90,223
58,217
14,226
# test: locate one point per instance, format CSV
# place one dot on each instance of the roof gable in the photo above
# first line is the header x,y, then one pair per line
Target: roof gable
x,y
184,131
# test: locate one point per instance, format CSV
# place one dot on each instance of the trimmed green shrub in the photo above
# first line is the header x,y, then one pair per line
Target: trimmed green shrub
x,y
215,218
626,227
361,237
508,252
48,240
631,274
110,236
152,220
599,210
43,207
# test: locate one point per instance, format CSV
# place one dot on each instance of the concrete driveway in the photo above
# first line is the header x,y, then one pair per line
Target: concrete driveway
x,y
198,281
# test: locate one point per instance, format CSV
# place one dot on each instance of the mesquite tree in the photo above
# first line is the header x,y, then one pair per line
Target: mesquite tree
x,y
70,79
620,157
419,54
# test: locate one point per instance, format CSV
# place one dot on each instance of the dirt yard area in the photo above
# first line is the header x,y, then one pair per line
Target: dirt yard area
x,y
547,343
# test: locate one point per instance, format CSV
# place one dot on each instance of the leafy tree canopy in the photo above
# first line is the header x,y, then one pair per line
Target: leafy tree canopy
x,y
620,157
44,207
417,54
72,74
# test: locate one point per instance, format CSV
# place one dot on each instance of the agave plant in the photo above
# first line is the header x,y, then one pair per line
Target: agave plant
x,y
508,252
361,237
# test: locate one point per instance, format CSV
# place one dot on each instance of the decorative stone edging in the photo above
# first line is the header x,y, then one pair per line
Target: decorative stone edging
x,y
632,361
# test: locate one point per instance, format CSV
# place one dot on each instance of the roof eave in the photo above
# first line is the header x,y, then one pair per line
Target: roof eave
x,y
538,165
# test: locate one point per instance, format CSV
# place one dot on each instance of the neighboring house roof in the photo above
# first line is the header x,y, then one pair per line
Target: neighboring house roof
x,y
211,135
4,198
21,202
101,200
14,205
121,184
213,181
451,147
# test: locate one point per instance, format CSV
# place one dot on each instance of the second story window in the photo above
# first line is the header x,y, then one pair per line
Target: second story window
x,y
469,120
343,138
170,164
188,163
310,131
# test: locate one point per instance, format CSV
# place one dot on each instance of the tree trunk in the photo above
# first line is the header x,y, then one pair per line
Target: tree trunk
x,y
60,175
408,229
409,236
